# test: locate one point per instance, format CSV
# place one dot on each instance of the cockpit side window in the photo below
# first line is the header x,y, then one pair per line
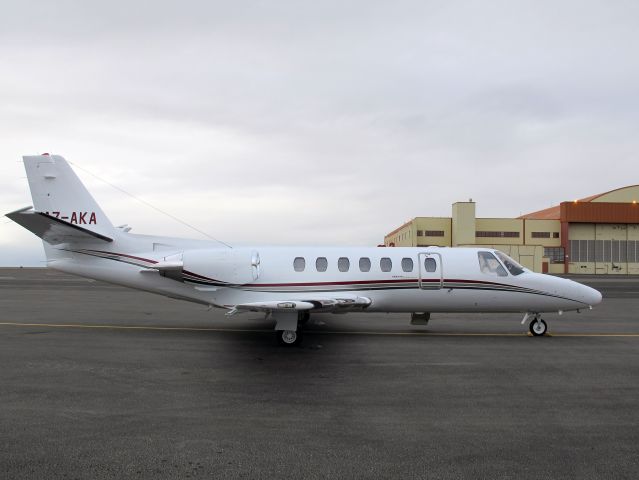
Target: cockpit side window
x,y
490,265
513,267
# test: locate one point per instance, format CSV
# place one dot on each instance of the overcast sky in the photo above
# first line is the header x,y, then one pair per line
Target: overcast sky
x,y
283,122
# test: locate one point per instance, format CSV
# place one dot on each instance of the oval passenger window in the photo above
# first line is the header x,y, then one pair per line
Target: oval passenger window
x,y
407,264
364,264
321,264
299,264
343,264
386,264
430,264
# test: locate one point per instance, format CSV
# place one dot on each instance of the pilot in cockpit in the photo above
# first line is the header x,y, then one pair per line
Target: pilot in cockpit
x,y
490,265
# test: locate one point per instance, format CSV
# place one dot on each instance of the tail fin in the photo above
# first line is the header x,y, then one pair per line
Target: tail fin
x,y
57,192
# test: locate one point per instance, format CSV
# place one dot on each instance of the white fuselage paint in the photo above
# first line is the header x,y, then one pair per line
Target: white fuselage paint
x,y
224,277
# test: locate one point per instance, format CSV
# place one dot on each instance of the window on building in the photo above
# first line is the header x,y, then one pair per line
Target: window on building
x,y
491,234
430,265
434,233
420,233
555,234
299,264
321,264
490,265
554,254
407,264
385,264
364,264
343,264
540,234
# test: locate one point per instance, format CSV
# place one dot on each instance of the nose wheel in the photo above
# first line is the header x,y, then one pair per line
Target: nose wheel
x,y
538,327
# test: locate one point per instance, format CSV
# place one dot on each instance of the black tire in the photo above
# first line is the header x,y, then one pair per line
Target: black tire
x,y
538,327
289,338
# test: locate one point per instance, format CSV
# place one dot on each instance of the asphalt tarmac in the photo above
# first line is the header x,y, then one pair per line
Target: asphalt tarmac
x,y
97,381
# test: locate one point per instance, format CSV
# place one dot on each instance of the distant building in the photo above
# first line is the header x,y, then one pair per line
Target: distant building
x,y
594,235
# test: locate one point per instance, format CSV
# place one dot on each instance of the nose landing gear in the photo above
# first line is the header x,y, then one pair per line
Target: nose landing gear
x,y
537,327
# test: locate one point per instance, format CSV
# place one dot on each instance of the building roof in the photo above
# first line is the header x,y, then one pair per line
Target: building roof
x,y
622,195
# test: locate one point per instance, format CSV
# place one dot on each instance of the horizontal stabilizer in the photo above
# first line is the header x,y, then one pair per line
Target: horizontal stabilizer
x,y
53,230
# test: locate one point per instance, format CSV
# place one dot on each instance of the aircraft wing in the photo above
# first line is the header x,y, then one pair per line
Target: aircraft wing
x,y
341,303
53,230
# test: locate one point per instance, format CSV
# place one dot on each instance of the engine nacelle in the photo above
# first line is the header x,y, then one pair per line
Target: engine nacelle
x,y
233,266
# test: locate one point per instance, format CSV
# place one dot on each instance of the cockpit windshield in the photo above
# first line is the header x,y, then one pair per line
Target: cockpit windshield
x,y
513,267
490,265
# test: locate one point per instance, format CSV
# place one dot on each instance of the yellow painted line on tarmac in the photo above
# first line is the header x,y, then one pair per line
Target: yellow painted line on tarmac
x,y
129,327
417,334
596,334
320,332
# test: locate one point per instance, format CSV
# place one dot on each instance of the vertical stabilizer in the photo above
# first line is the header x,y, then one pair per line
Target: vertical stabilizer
x,y
57,191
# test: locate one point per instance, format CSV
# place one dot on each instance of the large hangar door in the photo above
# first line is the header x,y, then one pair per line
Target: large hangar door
x,y
632,249
611,248
582,248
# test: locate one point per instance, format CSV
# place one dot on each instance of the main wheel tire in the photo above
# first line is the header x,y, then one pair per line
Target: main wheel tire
x,y
289,338
538,327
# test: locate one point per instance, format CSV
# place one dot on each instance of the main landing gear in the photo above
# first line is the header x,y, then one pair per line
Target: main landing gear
x,y
286,327
538,327
419,318
289,338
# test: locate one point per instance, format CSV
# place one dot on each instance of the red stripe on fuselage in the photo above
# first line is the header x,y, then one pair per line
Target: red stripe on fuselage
x,y
369,282
124,255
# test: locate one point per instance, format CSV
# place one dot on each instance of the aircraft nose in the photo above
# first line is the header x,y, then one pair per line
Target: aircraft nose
x,y
591,296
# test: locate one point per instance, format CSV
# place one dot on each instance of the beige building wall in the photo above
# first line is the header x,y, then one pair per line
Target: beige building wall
x,y
552,227
421,232
463,224
401,237
501,225
555,268
431,231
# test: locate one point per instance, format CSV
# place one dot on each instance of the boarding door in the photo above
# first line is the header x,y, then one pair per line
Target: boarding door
x,y
431,271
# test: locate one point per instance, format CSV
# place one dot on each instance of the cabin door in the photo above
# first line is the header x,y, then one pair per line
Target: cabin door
x,y
431,271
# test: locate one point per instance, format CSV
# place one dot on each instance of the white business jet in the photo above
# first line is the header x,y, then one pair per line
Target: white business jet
x,y
287,284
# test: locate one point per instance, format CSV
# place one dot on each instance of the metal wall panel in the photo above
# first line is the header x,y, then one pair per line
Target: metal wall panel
x,y
587,212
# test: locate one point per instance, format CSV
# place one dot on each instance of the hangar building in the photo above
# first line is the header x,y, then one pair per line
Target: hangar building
x,y
594,235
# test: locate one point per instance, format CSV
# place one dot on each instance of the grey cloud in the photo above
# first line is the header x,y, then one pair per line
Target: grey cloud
x,y
332,121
